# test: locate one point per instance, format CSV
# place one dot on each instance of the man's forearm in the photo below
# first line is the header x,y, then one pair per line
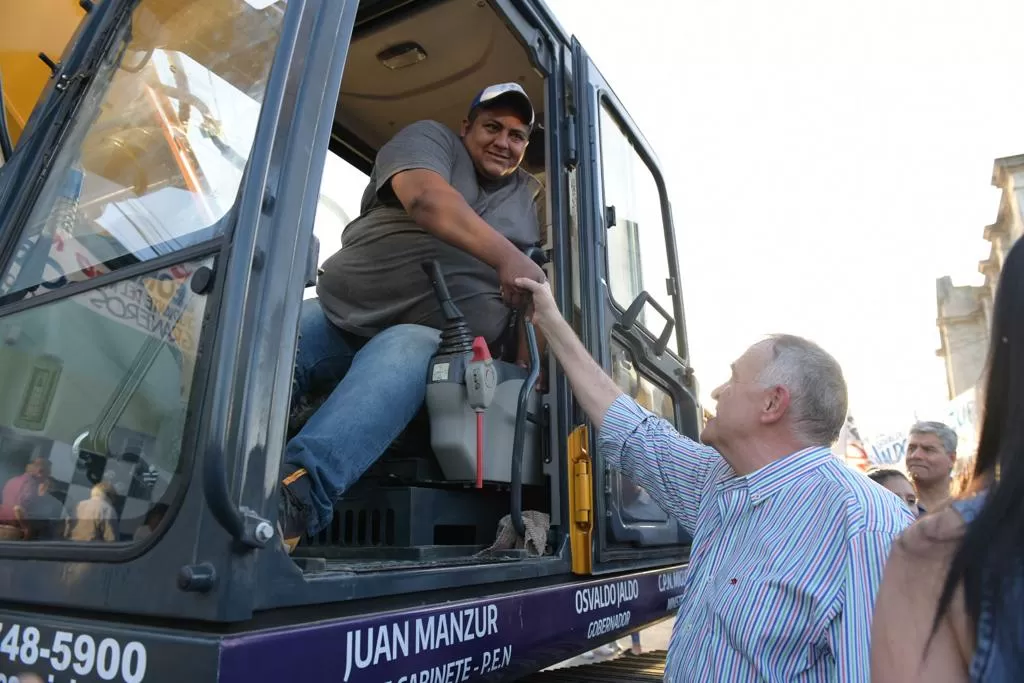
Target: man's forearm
x,y
593,388
447,216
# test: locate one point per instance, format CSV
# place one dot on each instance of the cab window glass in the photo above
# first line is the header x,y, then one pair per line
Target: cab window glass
x,y
96,385
642,390
155,155
635,505
637,250
93,408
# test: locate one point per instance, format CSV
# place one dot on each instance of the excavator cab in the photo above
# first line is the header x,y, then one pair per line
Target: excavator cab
x,y
163,211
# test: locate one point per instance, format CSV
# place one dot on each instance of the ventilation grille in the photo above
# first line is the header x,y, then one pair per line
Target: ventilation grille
x,y
358,528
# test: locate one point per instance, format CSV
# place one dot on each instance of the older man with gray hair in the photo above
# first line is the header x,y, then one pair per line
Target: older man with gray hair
x,y
788,543
931,455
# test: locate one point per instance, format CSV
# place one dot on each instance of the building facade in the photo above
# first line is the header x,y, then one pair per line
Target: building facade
x,y
965,312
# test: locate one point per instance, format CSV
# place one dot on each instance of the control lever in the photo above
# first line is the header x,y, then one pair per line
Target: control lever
x,y
481,382
456,336
537,255
518,440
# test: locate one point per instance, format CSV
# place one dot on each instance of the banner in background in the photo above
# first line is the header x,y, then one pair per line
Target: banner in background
x,y
850,447
890,449
962,416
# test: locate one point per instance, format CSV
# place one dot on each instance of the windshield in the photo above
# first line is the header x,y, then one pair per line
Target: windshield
x,y
97,385
155,158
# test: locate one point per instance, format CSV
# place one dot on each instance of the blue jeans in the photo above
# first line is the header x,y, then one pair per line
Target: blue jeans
x,y
381,384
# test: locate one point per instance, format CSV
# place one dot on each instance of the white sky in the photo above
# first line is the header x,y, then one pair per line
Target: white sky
x,y
826,161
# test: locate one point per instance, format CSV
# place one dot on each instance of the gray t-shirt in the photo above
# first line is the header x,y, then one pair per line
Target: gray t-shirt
x,y
376,279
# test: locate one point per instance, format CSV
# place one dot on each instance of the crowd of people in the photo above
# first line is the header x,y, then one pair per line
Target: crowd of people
x,y
930,461
29,510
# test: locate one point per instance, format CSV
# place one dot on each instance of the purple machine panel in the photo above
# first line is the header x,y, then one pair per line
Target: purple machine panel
x,y
492,639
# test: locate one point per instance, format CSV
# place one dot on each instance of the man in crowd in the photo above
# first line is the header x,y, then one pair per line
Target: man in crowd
x,y
897,482
931,454
367,341
18,496
789,544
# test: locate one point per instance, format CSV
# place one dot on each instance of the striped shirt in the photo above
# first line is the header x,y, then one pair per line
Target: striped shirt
x,y
785,561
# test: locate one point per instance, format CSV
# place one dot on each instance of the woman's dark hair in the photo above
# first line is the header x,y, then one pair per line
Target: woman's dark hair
x,y
880,475
989,561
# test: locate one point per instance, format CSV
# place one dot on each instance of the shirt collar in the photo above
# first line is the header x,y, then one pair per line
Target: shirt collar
x,y
770,479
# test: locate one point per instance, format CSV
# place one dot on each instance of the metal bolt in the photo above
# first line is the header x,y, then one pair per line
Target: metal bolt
x,y
53,66
264,532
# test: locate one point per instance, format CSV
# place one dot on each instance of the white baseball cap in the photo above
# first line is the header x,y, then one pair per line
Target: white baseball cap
x,y
513,93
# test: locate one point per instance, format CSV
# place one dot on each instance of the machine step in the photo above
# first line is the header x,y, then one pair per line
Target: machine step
x,y
628,668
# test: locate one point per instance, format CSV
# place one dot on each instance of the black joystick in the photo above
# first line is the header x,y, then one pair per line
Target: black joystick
x,y
456,336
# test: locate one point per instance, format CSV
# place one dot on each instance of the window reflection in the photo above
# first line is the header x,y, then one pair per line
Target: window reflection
x,y
635,504
154,159
639,388
96,388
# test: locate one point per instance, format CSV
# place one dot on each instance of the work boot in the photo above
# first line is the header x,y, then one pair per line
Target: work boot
x,y
293,506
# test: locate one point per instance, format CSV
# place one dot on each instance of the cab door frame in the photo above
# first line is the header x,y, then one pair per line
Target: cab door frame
x,y
605,322
205,567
